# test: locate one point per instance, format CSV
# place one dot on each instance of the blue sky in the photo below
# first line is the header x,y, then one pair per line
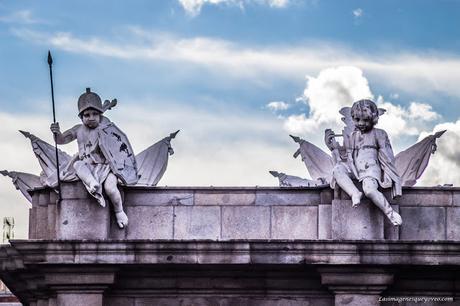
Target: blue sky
x,y
236,76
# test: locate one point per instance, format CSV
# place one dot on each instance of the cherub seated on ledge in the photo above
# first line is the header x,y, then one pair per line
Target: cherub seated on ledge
x,y
366,156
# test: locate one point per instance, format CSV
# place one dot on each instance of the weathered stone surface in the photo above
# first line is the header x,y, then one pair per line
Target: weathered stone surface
x,y
245,222
82,219
453,223
158,197
423,223
294,222
362,222
41,226
150,222
456,198
326,196
52,217
44,198
223,197
424,197
236,301
74,191
79,299
197,222
291,197
390,231
32,222
119,301
325,221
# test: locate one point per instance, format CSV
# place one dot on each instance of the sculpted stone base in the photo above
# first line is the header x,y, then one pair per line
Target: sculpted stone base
x,y
356,223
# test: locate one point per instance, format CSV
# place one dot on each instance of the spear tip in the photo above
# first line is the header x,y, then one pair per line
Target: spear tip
x,y
50,59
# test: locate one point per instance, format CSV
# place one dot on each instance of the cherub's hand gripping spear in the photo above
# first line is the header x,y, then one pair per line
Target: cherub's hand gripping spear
x,y
50,63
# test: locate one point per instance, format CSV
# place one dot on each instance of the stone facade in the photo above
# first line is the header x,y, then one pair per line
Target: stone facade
x,y
235,246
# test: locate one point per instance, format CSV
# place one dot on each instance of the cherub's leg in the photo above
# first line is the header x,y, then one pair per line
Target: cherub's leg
x,y
84,173
343,179
111,189
370,188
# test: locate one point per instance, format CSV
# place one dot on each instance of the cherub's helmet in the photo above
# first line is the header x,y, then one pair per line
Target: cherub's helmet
x,y
89,100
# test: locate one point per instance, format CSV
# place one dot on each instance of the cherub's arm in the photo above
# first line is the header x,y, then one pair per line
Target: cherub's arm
x,y
67,136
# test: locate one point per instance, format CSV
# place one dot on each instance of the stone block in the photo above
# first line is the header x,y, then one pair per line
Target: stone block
x,y
79,299
453,223
150,222
82,219
294,222
114,231
74,190
325,221
32,222
391,232
245,222
423,223
234,301
456,197
225,197
362,222
41,226
119,301
424,197
44,197
197,222
287,197
52,217
326,196
153,197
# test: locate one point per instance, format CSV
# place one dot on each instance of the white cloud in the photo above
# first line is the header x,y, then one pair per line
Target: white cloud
x,y
193,7
444,164
422,111
358,12
21,17
278,105
325,95
337,87
407,72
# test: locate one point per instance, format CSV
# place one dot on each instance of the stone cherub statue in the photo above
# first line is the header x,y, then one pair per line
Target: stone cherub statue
x,y
365,156
104,154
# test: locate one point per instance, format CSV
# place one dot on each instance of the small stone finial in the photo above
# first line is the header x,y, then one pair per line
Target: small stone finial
x,y
295,138
88,89
173,135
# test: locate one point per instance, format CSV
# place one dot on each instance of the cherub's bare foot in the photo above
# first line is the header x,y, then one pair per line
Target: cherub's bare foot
x,y
122,219
356,199
395,218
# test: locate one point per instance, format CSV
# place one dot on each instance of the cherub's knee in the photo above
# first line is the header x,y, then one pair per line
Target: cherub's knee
x,y
110,186
370,188
339,170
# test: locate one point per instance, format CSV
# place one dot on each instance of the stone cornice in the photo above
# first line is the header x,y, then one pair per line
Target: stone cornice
x,y
312,252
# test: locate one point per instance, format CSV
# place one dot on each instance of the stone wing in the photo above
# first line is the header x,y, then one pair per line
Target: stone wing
x,y
46,156
23,182
153,161
411,162
319,164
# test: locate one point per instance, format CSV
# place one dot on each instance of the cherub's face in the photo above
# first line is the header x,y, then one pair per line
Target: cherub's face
x,y
91,118
364,124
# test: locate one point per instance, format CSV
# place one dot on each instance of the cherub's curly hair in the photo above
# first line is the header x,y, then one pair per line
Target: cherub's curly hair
x,y
365,109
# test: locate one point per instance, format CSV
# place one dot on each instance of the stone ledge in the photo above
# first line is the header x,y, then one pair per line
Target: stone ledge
x,y
232,252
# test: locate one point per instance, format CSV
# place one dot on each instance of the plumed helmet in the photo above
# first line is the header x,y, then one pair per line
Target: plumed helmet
x,y
89,100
